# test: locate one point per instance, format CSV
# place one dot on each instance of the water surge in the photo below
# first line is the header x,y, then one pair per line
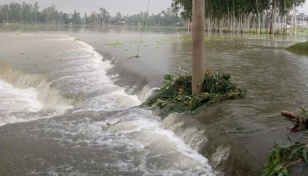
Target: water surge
x,y
102,131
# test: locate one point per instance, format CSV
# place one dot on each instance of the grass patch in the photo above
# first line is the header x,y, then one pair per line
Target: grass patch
x,y
186,38
116,44
300,48
175,94
303,31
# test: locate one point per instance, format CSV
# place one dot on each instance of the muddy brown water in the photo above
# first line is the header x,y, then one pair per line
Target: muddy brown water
x,y
275,78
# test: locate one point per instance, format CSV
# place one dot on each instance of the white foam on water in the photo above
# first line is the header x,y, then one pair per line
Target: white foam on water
x,y
84,68
19,99
146,93
138,130
130,136
193,136
127,139
21,105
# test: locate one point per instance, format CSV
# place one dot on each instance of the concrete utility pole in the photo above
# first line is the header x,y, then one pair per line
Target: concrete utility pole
x,y
198,22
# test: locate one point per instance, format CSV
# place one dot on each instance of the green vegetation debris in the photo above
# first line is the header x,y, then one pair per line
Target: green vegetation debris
x,y
116,44
301,122
300,48
186,38
284,157
175,94
304,112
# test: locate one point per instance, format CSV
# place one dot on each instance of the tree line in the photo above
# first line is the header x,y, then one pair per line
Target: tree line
x,y
27,13
262,16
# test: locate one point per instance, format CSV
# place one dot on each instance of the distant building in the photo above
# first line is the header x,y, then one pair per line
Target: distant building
x,y
121,22
282,25
302,18
301,23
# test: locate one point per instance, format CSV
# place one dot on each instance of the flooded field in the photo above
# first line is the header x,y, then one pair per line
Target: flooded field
x,y
70,101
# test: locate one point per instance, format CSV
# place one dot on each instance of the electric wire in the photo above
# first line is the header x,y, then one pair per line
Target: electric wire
x,y
143,27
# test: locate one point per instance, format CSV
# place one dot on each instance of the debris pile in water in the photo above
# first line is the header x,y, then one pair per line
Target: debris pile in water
x,y
284,157
175,94
300,121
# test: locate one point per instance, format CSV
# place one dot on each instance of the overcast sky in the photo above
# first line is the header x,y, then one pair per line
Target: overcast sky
x,y
304,9
113,6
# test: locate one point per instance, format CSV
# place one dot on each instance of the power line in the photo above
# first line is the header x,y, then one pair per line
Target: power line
x,y
145,20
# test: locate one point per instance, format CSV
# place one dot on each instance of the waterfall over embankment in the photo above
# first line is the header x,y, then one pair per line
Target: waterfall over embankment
x,y
102,132
47,93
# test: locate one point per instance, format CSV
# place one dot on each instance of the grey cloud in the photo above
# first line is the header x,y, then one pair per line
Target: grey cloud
x,y
113,6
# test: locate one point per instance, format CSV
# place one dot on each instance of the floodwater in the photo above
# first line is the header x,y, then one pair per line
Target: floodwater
x,y
275,79
69,100
62,114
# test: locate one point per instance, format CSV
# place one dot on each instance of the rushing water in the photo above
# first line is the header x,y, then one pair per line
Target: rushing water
x,y
69,105
275,78
75,120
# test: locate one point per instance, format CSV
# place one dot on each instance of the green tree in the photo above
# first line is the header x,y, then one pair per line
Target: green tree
x,y
76,19
105,15
25,12
35,12
240,14
86,20
119,17
65,18
94,18
6,13
14,11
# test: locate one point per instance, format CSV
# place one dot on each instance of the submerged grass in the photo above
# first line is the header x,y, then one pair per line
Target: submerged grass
x,y
300,48
303,31
175,94
116,44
